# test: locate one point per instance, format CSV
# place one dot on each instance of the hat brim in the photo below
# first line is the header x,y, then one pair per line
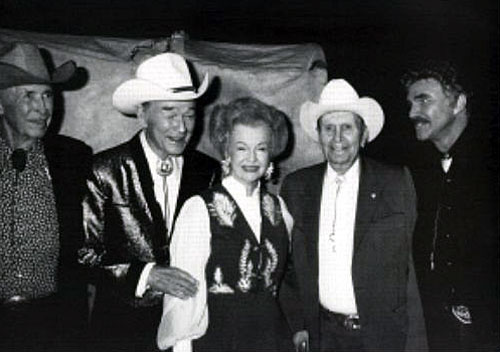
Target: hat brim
x,y
11,76
367,108
130,94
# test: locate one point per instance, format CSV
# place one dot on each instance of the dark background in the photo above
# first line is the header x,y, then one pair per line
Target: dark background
x,y
368,42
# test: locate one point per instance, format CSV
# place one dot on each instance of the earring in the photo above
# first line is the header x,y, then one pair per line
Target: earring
x,y
269,171
226,167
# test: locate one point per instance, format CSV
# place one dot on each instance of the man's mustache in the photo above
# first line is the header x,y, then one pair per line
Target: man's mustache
x,y
419,119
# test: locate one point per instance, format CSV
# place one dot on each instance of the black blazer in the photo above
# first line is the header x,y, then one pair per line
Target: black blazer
x,y
382,268
69,163
124,226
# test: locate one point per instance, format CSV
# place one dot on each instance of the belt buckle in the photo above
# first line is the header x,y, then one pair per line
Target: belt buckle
x,y
351,322
14,301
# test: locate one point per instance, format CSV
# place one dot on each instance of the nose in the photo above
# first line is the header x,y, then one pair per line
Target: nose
x,y
253,155
337,136
41,104
181,124
414,110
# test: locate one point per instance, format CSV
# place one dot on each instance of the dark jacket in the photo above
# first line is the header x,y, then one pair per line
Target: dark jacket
x,y
69,163
124,230
382,267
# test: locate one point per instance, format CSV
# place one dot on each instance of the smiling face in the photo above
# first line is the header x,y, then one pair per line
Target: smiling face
x,y
169,125
432,110
249,150
27,112
341,136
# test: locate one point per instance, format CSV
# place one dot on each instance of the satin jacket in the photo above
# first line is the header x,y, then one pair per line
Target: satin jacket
x,y
124,226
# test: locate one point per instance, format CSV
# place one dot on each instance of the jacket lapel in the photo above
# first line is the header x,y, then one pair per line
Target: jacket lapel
x,y
160,246
368,195
312,205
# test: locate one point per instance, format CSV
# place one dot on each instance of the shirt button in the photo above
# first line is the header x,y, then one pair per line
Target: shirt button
x,y
449,263
256,248
448,180
447,235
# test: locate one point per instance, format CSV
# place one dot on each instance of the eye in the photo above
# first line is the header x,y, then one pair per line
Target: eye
x,y
48,95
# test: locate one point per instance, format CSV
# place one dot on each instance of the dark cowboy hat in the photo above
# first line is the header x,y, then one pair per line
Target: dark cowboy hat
x,y
21,63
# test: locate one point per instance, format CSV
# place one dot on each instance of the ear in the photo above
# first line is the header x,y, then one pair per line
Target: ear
x,y
141,115
364,138
460,104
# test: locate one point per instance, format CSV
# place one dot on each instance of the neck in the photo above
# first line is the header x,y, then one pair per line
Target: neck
x,y
13,140
445,142
249,186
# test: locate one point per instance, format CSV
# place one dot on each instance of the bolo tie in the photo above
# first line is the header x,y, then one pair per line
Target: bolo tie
x,y
164,168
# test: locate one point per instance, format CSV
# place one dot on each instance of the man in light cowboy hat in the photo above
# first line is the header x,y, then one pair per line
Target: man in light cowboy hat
x,y
134,194
42,180
353,225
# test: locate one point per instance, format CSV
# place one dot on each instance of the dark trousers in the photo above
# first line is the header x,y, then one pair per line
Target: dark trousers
x,y
336,338
447,333
33,326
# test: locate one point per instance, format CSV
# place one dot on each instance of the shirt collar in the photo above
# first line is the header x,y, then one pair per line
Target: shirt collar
x,y
238,190
351,175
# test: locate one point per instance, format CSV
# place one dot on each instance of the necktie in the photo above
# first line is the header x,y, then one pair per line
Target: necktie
x,y
338,182
164,169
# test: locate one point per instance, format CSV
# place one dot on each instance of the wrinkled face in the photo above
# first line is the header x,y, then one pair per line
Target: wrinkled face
x,y
249,149
431,109
169,125
341,138
27,111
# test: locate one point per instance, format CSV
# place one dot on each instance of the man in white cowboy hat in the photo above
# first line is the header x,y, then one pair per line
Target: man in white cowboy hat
x,y
43,297
353,225
134,194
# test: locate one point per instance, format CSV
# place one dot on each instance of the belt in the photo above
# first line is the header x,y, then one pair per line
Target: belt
x,y
348,322
18,302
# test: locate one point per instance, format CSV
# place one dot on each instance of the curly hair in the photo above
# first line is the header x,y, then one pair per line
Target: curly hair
x,y
249,112
442,71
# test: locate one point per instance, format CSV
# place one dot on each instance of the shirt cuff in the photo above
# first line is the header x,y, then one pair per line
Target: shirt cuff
x,y
142,285
183,346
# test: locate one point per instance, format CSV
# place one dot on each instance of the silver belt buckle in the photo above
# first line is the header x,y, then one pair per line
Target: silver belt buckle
x,y
351,322
15,300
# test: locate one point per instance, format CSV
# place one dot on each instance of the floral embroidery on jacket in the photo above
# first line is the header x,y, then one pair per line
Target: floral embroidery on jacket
x,y
246,269
219,286
271,265
271,211
223,209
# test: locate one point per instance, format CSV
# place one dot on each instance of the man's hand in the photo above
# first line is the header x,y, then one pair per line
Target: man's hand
x,y
172,281
301,341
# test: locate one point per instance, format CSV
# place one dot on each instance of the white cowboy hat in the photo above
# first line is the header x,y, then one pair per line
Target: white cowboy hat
x,y
161,77
339,95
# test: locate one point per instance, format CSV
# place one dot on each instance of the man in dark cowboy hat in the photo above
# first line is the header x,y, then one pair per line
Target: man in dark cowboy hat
x,y
42,296
134,194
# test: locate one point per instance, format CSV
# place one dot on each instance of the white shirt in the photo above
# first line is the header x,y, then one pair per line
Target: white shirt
x,y
336,291
185,320
173,186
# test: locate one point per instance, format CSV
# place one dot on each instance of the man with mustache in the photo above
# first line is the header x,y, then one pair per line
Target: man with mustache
x,y
134,194
456,236
43,298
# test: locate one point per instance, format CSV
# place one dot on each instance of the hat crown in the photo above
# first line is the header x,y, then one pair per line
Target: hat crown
x,y
26,57
167,70
338,92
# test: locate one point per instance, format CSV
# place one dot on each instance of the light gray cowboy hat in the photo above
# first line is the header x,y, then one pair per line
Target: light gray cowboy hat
x,y
21,63
339,95
161,77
